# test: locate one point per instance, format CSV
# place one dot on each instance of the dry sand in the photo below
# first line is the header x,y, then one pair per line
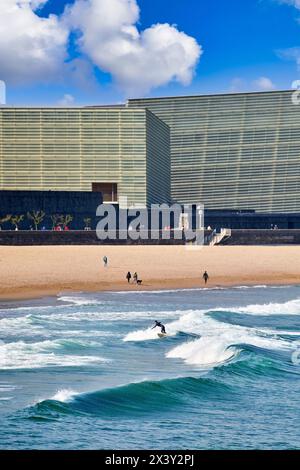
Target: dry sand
x,y
28,272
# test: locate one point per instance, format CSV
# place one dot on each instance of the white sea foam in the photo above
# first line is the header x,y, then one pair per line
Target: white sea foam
x,y
32,308
45,325
22,355
260,286
64,395
108,316
204,352
6,388
291,307
219,341
196,289
80,300
144,335
167,291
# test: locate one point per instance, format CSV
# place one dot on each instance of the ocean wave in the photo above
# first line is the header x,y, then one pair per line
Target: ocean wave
x,y
7,387
107,316
15,324
205,352
253,362
166,291
291,307
64,395
150,397
146,335
33,325
22,355
197,289
138,398
73,300
16,310
217,341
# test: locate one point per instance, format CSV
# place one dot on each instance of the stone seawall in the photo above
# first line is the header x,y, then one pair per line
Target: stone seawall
x,y
263,237
72,237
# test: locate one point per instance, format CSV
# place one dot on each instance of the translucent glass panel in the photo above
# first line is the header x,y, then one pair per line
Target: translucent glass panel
x,y
237,151
68,149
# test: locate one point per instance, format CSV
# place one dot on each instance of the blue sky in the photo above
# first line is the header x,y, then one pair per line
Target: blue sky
x,y
242,46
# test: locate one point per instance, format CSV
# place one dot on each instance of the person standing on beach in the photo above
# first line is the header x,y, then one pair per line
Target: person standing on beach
x,y
135,278
205,277
105,261
128,276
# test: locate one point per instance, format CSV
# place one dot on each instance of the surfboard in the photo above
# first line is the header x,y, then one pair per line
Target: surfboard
x,y
162,335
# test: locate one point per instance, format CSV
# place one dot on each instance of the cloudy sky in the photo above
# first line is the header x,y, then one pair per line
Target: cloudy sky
x,y
78,52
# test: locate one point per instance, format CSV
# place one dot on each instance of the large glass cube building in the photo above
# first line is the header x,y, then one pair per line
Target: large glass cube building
x,y
234,151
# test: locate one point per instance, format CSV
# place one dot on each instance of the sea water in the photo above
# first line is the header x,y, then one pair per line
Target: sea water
x,y
86,371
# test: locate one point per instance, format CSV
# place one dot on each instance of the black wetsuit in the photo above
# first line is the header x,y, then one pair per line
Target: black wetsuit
x,y
163,329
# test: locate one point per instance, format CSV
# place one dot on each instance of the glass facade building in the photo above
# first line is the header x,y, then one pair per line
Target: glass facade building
x,y
115,150
234,151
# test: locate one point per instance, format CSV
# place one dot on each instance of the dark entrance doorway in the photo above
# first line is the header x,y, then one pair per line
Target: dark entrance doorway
x,y
109,191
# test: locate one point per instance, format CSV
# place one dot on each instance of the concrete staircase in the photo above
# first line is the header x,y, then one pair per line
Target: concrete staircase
x,y
216,238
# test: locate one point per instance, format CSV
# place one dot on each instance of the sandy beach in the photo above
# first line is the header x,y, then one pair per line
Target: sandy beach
x,y
29,272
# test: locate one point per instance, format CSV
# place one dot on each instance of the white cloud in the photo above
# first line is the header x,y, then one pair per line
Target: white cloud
x,y
264,84
237,85
31,48
137,60
293,53
295,3
34,49
2,92
67,100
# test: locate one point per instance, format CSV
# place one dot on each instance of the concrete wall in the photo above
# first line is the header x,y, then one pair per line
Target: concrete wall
x,y
79,237
236,220
264,237
79,204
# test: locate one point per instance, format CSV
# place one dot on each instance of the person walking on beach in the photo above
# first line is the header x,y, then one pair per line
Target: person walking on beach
x,y
105,261
205,277
135,278
160,325
128,276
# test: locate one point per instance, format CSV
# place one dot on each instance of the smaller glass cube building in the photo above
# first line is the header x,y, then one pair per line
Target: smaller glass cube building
x,y
113,150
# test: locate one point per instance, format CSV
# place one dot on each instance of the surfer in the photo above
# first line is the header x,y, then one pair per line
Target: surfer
x,y
161,326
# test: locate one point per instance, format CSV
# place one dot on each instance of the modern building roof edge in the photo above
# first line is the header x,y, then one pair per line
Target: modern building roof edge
x,y
261,92
63,108
125,105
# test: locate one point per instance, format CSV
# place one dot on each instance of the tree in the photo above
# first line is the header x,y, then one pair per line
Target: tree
x,y
16,219
37,217
66,219
4,219
55,220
